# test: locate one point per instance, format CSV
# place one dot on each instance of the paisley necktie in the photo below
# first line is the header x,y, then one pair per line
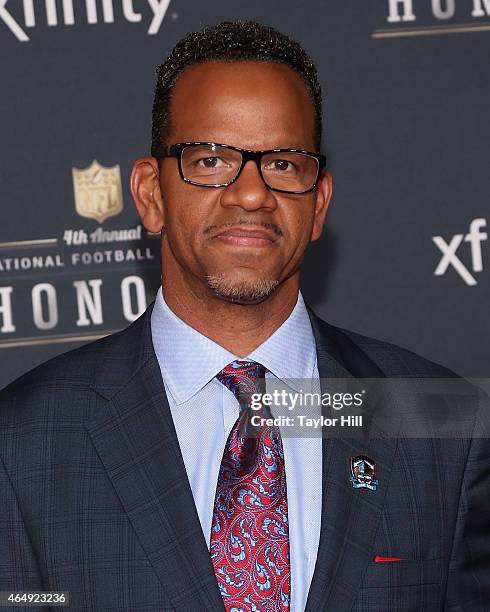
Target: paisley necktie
x,y
249,533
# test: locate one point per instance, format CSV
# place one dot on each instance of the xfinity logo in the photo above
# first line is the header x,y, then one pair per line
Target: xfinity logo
x,y
449,248
56,12
402,10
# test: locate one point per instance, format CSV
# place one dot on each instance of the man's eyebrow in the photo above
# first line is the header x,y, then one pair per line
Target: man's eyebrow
x,y
289,147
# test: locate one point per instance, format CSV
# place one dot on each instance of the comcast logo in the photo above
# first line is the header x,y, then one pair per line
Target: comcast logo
x,y
87,11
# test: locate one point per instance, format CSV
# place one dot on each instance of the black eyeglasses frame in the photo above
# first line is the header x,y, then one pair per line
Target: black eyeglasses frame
x,y
175,150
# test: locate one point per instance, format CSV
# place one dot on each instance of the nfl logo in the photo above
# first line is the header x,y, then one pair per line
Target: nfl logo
x,y
98,191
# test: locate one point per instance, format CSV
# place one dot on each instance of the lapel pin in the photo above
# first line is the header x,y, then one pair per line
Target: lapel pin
x,y
363,471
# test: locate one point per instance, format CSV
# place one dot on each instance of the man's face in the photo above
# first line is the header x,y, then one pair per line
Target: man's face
x,y
242,241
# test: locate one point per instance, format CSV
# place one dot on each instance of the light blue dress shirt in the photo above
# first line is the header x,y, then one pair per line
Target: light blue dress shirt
x,y
204,412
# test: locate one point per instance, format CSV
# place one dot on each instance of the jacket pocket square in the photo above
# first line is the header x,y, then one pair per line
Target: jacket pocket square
x,y
405,572
381,559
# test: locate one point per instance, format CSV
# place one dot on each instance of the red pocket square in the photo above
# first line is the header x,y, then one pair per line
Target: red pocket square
x,y
379,559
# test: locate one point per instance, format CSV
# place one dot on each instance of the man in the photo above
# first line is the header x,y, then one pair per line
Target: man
x,y
131,475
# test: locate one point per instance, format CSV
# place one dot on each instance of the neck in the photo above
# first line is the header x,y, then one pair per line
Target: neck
x,y
238,328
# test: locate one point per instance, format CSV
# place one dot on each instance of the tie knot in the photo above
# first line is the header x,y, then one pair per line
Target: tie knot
x,y
243,378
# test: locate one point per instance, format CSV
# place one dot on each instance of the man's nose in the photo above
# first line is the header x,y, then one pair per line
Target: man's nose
x,y
249,190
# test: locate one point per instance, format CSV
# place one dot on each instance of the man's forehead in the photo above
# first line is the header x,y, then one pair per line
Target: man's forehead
x,y
233,99
245,78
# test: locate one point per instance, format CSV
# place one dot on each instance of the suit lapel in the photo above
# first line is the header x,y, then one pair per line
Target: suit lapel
x,y
350,517
137,443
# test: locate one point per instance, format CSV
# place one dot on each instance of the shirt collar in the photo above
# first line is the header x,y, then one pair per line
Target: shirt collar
x,y
189,360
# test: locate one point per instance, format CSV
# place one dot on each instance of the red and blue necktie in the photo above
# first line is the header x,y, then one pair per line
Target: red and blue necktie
x,y
249,533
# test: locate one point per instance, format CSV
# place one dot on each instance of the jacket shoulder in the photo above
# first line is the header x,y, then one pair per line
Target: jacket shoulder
x,y
69,385
81,367
72,369
369,357
65,380
395,360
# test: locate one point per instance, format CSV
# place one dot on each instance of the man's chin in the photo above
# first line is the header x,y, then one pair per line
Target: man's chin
x,y
241,291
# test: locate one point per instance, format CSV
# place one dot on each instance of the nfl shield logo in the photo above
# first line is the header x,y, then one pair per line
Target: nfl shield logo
x,y
98,191
363,470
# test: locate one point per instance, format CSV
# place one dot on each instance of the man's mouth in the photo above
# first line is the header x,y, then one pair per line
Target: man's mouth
x,y
240,236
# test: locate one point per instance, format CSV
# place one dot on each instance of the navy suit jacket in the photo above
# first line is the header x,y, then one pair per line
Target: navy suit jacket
x,y
94,497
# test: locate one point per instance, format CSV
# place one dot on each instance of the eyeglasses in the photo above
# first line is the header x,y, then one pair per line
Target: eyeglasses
x,y
209,164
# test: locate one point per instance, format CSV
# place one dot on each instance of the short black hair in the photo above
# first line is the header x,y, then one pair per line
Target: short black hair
x,y
231,41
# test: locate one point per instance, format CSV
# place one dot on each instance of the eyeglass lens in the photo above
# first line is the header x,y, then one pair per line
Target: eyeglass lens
x,y
214,165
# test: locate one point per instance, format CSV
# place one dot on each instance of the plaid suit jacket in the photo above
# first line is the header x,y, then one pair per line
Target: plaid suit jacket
x,y
94,497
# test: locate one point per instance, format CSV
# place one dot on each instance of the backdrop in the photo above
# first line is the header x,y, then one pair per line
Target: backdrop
x,y
405,253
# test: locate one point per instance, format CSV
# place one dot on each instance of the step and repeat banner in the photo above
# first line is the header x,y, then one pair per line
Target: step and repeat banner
x,y
405,253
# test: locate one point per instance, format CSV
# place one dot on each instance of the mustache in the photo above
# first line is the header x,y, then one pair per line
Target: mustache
x,y
270,226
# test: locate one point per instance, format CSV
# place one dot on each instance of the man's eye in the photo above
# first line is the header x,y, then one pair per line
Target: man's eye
x,y
210,162
280,165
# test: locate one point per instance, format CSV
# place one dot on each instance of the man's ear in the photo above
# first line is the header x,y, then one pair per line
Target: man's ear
x,y
323,197
145,189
